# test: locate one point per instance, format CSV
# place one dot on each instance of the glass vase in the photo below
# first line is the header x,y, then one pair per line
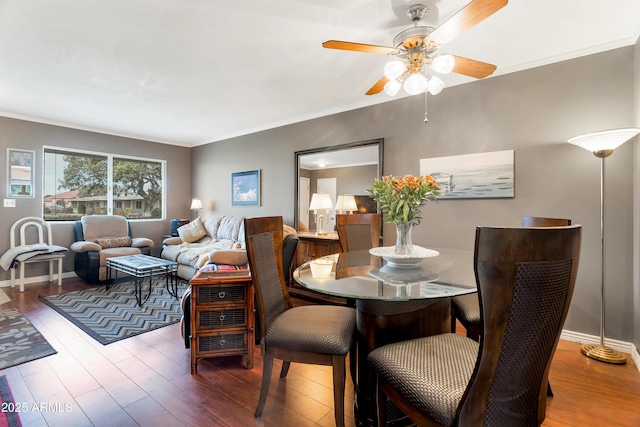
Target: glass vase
x,y
404,246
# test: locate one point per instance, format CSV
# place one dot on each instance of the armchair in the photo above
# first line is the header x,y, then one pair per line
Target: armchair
x,y
98,237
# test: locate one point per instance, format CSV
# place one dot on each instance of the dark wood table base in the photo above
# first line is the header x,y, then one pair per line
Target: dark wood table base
x,y
385,322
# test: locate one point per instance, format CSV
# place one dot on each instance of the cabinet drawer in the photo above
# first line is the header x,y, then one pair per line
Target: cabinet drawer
x,y
221,318
222,342
221,294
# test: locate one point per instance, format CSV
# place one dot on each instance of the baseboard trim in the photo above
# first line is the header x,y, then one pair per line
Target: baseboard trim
x,y
37,279
623,346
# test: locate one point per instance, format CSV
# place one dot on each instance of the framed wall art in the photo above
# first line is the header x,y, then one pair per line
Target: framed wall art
x,y
20,173
473,176
245,188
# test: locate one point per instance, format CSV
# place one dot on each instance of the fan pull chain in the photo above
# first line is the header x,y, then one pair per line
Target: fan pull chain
x,y
426,120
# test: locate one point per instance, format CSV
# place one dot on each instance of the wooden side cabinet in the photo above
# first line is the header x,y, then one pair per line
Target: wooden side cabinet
x,y
311,246
222,317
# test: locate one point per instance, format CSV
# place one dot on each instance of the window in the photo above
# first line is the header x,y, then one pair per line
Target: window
x,y
78,183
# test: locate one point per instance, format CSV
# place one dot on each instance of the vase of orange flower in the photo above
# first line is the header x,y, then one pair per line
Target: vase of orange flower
x,y
401,198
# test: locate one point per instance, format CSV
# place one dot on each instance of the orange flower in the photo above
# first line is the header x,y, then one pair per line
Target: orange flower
x,y
401,197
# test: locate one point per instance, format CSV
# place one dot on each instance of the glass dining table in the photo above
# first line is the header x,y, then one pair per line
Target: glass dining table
x,y
395,299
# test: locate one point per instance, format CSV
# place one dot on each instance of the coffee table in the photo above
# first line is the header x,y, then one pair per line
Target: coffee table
x,y
141,267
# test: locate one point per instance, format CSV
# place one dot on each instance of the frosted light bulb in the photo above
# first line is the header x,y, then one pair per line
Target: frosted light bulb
x,y
415,84
394,69
443,64
435,85
392,87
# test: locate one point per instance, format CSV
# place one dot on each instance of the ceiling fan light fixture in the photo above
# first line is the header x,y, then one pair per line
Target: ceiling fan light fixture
x,y
392,87
416,83
443,63
394,69
435,85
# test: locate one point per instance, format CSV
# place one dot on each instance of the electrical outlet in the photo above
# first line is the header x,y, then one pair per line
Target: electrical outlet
x,y
9,203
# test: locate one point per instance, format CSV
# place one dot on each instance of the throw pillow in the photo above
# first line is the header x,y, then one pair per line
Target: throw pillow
x,y
193,231
114,242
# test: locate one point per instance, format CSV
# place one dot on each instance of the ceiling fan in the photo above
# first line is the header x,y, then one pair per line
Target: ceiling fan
x,y
415,48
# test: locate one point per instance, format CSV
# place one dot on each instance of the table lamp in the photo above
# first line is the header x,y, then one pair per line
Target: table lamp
x,y
320,202
195,205
346,203
602,144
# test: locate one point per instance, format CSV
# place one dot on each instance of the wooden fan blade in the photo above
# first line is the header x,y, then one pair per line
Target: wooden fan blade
x,y
358,47
470,15
378,87
473,68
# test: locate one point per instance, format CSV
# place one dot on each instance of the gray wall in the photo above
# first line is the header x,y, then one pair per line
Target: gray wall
x,y
532,112
33,136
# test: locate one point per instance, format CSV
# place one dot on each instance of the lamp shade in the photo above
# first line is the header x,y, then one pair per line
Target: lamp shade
x,y
435,85
346,202
321,201
443,63
196,204
394,69
604,140
416,83
392,87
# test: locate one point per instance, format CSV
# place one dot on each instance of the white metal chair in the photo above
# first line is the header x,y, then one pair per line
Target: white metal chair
x,y
21,235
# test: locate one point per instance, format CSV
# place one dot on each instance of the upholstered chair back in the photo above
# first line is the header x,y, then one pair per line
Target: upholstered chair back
x,y
104,227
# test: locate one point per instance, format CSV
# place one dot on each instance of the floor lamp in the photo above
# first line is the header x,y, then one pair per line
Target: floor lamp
x,y
602,144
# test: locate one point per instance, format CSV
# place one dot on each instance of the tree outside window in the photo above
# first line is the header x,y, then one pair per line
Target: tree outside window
x,y
75,184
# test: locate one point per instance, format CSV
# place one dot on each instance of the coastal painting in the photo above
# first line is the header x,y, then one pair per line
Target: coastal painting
x,y
245,188
473,176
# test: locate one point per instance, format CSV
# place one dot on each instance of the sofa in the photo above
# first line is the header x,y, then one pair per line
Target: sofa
x,y
223,244
98,237
217,239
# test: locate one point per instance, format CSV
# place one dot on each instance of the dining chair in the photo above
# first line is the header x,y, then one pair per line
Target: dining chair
x,y
525,279
465,308
359,231
313,334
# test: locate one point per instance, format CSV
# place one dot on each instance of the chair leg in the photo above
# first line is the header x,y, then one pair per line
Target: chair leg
x,y
339,373
353,357
13,277
285,369
267,370
21,277
453,323
473,332
60,272
381,404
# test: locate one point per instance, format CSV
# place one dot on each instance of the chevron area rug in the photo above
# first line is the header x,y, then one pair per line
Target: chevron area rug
x,y
20,341
112,315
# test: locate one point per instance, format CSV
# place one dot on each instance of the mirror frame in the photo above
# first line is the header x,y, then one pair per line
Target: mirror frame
x,y
296,199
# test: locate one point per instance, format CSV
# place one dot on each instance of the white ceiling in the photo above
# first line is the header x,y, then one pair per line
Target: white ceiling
x,y
189,72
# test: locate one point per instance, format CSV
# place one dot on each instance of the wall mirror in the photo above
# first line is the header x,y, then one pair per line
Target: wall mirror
x,y
347,169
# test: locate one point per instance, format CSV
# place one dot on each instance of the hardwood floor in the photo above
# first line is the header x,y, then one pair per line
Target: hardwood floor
x,y
145,381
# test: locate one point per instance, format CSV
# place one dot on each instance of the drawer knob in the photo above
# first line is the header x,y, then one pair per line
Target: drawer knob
x,y
222,342
221,295
222,317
